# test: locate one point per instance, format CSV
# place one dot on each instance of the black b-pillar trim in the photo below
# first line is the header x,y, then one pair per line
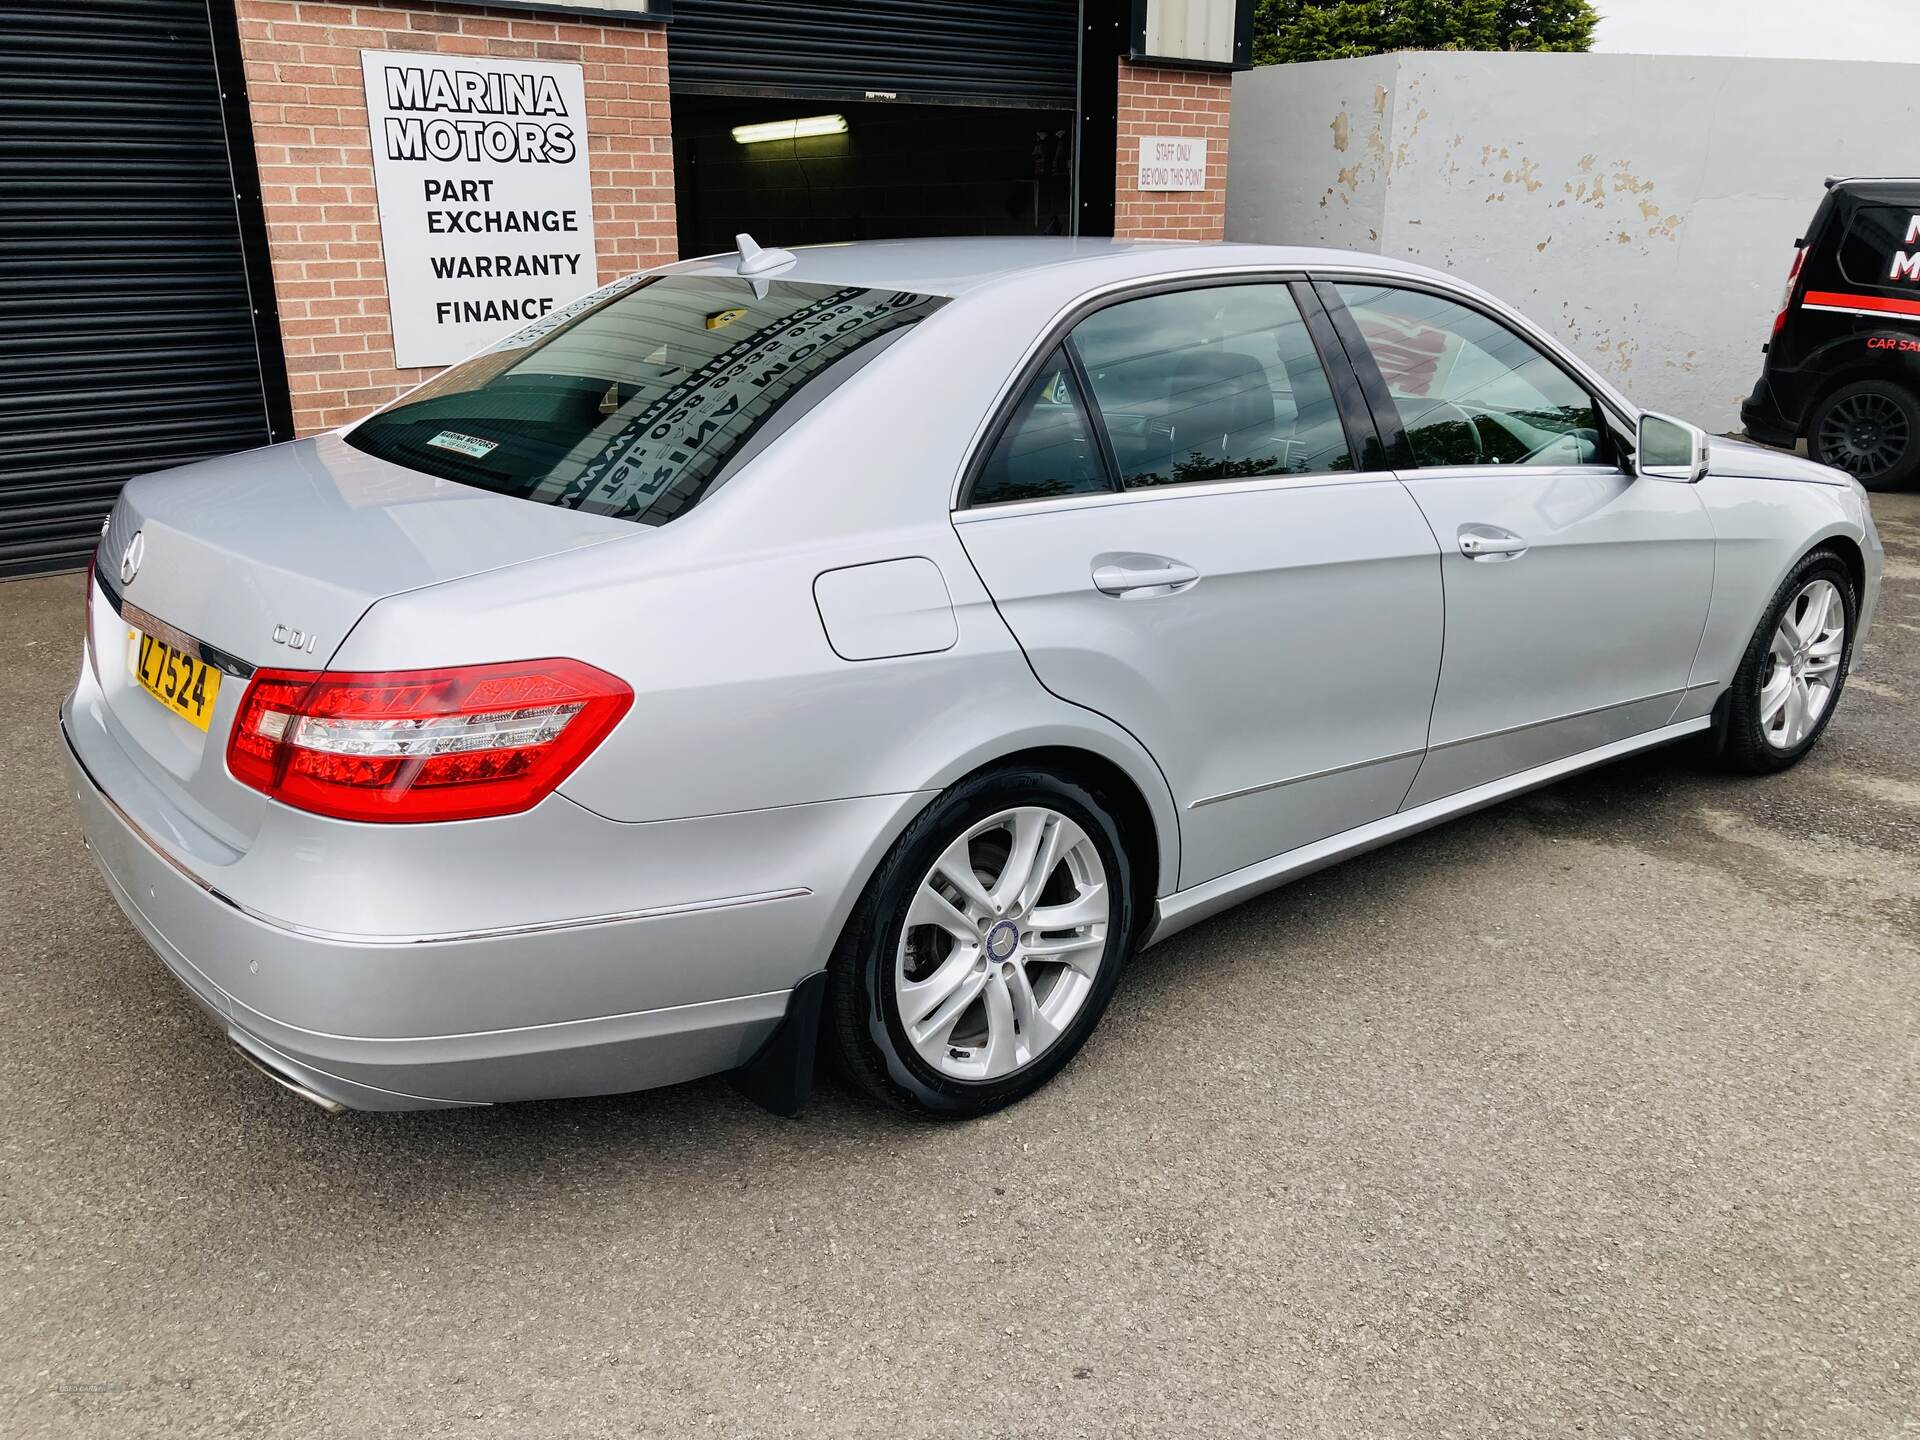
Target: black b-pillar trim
x,y
244,171
1103,40
1356,418
1373,385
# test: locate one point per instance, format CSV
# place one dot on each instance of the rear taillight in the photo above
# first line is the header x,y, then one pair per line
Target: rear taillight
x,y
412,745
1793,279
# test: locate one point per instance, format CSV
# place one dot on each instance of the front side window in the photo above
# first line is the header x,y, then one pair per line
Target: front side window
x,y
1047,449
637,400
1220,383
1468,390
1881,248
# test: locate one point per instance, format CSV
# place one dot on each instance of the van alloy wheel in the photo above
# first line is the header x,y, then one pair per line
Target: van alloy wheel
x,y
1865,433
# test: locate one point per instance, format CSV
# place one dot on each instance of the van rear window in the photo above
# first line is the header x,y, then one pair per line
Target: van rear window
x,y
638,399
1881,248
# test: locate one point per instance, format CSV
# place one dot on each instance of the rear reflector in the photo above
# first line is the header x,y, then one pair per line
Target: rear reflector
x,y
1793,279
414,745
93,659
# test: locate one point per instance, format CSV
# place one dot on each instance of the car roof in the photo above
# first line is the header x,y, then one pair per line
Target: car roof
x,y
952,267
1876,187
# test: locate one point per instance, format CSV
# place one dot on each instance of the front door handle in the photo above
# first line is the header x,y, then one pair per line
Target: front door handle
x,y
1141,576
1490,542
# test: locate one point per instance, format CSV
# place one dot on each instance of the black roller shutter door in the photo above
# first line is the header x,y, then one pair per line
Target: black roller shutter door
x,y
962,52
127,335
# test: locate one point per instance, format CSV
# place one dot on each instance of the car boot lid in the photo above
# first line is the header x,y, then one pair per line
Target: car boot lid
x,y
273,555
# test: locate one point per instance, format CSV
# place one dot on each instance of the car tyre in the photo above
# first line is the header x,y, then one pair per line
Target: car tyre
x,y
1795,667
1871,430
950,1011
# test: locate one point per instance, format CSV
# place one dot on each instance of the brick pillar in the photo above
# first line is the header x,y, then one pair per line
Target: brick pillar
x,y
316,169
1157,100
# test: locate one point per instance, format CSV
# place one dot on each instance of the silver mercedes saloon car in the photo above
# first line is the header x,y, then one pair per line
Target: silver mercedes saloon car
x,y
861,652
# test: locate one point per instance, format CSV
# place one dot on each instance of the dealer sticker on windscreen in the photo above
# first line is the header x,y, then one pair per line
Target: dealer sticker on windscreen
x,y
471,446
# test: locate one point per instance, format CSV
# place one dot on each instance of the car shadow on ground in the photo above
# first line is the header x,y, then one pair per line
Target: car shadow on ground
x,y
425,1154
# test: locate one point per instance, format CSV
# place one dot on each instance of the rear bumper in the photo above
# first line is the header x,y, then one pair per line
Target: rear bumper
x,y
364,1021
1763,419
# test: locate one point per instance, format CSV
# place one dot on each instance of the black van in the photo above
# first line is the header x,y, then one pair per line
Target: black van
x,y
1843,367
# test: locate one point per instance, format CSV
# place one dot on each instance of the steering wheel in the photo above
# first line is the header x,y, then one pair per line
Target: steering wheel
x,y
1133,425
1467,424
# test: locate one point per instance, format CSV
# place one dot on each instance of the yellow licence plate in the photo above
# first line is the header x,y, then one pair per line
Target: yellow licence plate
x,y
186,686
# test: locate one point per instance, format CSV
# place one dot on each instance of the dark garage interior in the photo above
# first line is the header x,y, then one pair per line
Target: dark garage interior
x,y
896,169
928,118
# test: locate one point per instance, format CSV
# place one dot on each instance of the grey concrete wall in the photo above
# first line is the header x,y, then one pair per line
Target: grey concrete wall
x,y
1643,207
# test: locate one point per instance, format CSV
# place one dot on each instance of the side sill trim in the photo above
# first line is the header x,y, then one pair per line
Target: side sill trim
x,y
1302,779
1557,719
1443,745
1176,912
447,937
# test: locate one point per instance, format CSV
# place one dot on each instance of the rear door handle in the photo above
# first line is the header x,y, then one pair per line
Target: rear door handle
x,y
1490,542
1141,576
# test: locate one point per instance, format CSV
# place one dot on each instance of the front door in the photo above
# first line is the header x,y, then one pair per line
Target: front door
x,y
1575,592
1172,525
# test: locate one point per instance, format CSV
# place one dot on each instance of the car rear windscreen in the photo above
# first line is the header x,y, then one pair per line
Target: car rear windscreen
x,y
638,399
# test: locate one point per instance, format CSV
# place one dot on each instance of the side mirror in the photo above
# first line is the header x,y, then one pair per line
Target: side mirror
x,y
1670,449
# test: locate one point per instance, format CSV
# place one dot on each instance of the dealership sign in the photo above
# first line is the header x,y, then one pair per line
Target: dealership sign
x,y
486,205
1172,162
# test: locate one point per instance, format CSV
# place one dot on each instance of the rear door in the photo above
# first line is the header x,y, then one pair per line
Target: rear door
x,y
1575,593
1173,523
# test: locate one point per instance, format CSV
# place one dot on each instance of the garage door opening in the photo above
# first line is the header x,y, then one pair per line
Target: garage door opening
x,y
865,170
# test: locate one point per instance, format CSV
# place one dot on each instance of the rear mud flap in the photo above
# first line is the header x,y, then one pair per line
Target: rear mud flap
x,y
779,1077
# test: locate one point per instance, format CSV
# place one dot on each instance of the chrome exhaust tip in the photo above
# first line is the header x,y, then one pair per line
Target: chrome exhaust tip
x,y
287,1082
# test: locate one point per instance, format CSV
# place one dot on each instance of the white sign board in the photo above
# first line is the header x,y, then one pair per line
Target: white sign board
x,y
1172,162
486,204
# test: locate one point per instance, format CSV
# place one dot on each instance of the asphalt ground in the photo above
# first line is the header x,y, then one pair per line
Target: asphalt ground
x,y
1590,1114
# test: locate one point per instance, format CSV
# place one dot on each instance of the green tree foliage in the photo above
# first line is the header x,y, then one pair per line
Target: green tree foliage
x,y
1289,30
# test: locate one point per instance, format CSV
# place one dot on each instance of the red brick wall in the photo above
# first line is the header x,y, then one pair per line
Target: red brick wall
x,y
1159,101
316,168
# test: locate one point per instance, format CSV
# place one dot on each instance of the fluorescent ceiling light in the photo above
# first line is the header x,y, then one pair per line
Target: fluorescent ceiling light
x,y
790,129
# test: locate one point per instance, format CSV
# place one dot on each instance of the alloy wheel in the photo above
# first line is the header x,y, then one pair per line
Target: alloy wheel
x,y
1003,940
1803,664
1865,434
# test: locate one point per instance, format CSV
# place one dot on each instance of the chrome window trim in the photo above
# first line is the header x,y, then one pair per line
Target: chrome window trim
x,y
1480,472
1185,490
1114,291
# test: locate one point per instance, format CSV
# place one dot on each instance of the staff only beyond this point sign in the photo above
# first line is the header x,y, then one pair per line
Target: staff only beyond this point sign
x,y
486,202
1172,162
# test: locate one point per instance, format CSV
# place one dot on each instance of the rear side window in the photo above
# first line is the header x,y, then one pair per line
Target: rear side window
x,y
638,400
1220,383
1047,449
1881,248
1468,390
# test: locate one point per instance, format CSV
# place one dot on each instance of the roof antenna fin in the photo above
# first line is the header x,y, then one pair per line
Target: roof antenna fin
x,y
754,260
